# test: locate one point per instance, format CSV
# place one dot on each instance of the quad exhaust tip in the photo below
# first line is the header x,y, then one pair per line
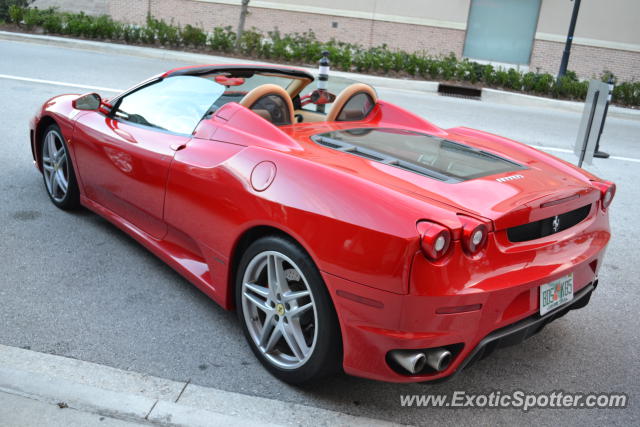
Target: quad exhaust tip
x,y
439,359
414,361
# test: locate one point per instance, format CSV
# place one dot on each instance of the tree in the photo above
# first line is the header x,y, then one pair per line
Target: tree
x,y
244,11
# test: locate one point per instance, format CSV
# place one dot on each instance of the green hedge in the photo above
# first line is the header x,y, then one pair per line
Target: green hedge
x,y
305,48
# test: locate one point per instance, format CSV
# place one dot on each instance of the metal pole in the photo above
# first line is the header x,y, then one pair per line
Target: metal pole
x,y
567,47
589,124
597,153
323,77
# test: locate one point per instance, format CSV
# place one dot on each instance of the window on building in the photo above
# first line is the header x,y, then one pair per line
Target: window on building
x,y
501,30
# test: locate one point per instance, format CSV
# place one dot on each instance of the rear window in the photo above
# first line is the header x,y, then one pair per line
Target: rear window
x,y
420,153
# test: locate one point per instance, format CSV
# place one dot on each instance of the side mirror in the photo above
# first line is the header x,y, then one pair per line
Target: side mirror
x,y
89,102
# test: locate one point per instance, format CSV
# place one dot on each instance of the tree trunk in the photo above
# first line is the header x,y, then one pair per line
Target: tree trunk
x,y
244,11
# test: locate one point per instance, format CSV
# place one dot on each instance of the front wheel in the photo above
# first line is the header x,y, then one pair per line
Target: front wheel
x,y
286,311
57,170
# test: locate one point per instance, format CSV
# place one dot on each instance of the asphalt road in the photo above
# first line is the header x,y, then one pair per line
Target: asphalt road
x,y
73,285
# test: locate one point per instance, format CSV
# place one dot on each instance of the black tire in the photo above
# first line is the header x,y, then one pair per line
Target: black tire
x,y
71,198
325,357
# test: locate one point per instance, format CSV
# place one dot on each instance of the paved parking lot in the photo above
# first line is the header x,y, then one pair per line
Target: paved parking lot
x,y
73,285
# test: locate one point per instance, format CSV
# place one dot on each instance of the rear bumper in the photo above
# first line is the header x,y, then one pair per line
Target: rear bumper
x,y
370,324
518,332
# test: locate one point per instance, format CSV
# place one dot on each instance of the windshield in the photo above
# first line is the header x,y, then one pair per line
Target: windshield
x,y
178,103
421,153
236,86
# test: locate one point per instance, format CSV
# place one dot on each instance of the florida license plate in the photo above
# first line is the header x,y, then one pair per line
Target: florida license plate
x,y
556,293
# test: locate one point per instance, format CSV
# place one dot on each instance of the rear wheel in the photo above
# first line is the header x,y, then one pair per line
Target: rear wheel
x,y
57,170
286,312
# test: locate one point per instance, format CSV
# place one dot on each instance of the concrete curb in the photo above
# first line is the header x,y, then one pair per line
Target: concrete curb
x,y
132,396
488,95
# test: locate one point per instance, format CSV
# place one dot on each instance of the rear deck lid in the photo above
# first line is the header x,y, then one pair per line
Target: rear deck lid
x,y
428,155
509,191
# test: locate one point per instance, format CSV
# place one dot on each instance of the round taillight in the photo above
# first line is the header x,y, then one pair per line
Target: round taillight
x,y
474,235
435,239
607,193
607,197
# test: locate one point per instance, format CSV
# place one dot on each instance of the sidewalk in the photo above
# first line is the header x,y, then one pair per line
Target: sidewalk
x,y
488,95
27,412
38,389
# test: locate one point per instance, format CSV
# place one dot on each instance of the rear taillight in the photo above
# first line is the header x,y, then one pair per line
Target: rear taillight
x,y
435,239
607,192
474,235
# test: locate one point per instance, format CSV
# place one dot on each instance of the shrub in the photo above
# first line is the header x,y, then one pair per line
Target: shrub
x,y
132,34
148,35
52,23
250,42
466,71
543,84
193,36
165,34
105,28
341,54
448,66
32,18
221,39
607,76
627,93
501,78
488,74
79,24
307,49
7,7
514,79
529,81
15,14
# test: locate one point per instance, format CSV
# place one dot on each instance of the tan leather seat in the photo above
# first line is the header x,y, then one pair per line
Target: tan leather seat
x,y
354,103
270,102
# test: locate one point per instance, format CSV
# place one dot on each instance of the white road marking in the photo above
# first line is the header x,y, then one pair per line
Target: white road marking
x,y
628,159
56,83
564,150
107,89
558,150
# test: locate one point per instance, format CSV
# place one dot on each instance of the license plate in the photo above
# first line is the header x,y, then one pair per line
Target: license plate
x,y
556,293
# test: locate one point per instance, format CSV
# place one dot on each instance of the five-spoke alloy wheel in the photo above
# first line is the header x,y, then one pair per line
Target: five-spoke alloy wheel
x,y
286,311
57,169
279,310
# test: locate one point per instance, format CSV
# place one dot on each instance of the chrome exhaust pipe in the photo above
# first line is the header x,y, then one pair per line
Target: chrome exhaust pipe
x,y
411,360
439,359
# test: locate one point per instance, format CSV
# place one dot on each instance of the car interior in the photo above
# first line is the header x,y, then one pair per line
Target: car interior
x,y
280,102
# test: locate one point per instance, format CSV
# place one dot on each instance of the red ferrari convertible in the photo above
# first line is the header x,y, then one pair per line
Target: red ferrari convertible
x,y
347,232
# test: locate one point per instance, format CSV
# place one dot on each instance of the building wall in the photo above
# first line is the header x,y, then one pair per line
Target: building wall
x,y
366,32
607,37
90,7
606,23
587,61
607,34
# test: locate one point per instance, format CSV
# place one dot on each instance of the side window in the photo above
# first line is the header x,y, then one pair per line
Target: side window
x,y
357,108
176,104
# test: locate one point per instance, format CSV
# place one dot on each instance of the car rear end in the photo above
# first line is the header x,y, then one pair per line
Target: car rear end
x,y
528,247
